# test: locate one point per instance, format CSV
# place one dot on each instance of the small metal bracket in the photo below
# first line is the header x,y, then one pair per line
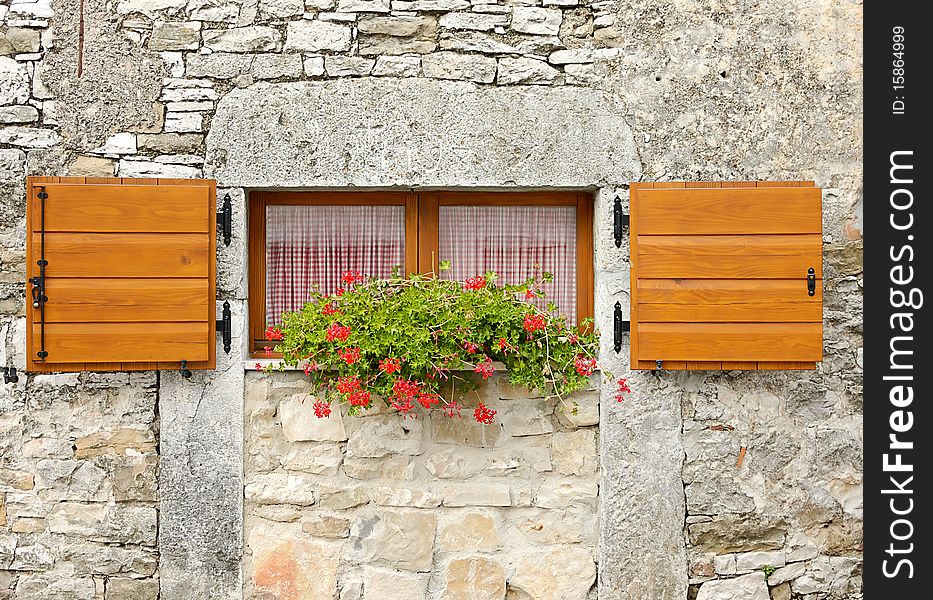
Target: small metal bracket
x,y
811,282
620,221
225,327
620,326
185,371
9,375
225,219
658,365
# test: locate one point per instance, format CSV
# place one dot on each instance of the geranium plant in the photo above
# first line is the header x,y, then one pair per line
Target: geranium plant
x,y
404,341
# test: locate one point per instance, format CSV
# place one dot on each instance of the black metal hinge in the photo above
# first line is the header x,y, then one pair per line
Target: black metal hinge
x,y
225,220
9,375
811,282
225,327
620,326
620,221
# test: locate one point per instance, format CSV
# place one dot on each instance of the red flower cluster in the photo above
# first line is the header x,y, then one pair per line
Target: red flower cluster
x,y
471,347
359,398
484,368
474,283
329,309
623,389
390,365
483,414
321,409
258,366
275,334
351,277
584,366
349,355
452,409
338,332
311,366
502,344
267,350
428,399
534,322
348,385
405,391
530,295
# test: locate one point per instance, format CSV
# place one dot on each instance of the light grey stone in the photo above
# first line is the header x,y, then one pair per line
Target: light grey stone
x,y
450,65
18,114
27,137
398,26
243,127
150,8
566,573
526,71
363,6
397,66
787,573
318,459
471,493
213,11
583,55
724,564
90,558
754,561
219,65
72,480
314,36
184,122
300,425
400,539
474,21
540,21
242,39
314,66
55,585
175,36
579,410
826,575
280,488
348,66
145,168
587,74
474,41
281,8
122,588
746,587
574,453
104,523
381,435
431,5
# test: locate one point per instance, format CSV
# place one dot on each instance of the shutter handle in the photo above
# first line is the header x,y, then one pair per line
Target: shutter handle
x,y
811,282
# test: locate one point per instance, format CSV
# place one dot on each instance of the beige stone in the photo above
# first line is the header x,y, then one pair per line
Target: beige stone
x,y
555,526
401,539
474,578
280,488
419,496
121,588
14,479
383,584
326,525
175,36
574,453
454,463
72,480
464,432
565,493
781,592
527,417
342,495
381,435
299,423
115,442
565,573
745,587
136,477
477,494
2,509
317,459
281,513
581,409
286,564
104,523
91,166
474,532
389,467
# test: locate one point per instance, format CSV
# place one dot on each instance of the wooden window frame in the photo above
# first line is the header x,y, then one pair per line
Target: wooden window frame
x,y
421,234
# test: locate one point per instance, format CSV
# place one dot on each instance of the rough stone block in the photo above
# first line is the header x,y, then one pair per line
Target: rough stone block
x,y
474,41
738,533
275,66
381,435
14,82
431,5
552,527
540,21
326,525
363,6
754,561
526,71
574,453
121,588
242,39
280,488
91,166
175,36
299,423
567,573
105,523
787,573
473,21
314,36
565,493
383,584
281,8
404,540
317,459
397,66
285,561
171,143
474,578
472,532
746,587
348,66
421,496
450,65
185,122
72,480
477,494
18,40
18,114
581,409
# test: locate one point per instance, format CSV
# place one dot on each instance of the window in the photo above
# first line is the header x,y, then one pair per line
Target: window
x,y
299,239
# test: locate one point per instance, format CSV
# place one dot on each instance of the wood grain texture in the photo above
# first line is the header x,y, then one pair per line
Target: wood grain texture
x,y
730,211
658,266
124,342
126,254
82,300
794,342
732,245
113,208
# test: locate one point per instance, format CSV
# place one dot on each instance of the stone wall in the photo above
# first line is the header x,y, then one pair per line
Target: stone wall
x,y
78,487
384,508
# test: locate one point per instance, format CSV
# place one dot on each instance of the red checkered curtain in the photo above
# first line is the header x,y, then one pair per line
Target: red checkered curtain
x,y
307,245
511,240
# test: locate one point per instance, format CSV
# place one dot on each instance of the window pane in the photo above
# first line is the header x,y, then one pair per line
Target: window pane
x,y
308,245
511,240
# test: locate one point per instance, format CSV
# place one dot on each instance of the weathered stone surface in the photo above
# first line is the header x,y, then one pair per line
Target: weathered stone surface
x,y
184,122
564,493
121,588
397,66
91,166
477,494
474,41
219,65
72,480
574,453
781,592
475,578
526,417
241,125
404,540
26,137
555,526
52,585
562,574
104,523
737,533
18,40
314,36
449,65
242,39
14,82
281,8
275,488
383,584
473,21
342,495
385,44
541,21
526,71
299,423
170,143
473,532
89,558
348,66
287,564
363,6
405,495
275,66
464,432
746,587
753,561
398,26
318,459
380,435
832,574
175,36
579,410
326,525
431,5
18,114
787,573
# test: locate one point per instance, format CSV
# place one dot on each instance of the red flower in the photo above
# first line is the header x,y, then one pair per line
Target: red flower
x,y
483,414
349,355
573,338
403,405
484,368
475,283
338,332
585,366
311,366
321,409
530,295
339,292
351,277
428,399
274,334
359,398
259,366
534,322
348,385
452,409
623,389
470,347
390,365
329,309
405,388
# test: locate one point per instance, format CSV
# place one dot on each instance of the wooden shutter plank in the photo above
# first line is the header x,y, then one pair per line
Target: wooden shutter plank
x,y
731,341
711,365
659,266
760,312
111,208
127,300
786,366
737,365
126,254
736,245
119,342
729,211
726,291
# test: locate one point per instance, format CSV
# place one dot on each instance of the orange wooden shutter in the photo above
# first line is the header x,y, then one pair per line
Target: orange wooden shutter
x,y
720,275
129,278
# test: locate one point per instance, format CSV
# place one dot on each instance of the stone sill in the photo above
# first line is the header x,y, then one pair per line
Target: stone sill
x,y
250,365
